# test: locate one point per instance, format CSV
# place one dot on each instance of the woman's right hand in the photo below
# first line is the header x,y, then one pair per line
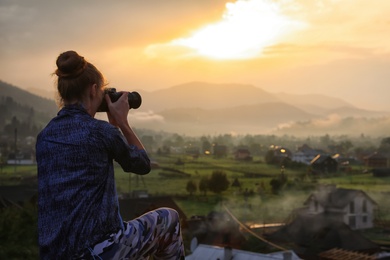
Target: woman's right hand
x,y
118,110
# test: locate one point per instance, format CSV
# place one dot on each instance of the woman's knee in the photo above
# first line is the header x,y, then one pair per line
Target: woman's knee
x,y
169,212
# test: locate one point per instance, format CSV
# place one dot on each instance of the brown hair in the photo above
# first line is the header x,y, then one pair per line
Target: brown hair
x,y
75,74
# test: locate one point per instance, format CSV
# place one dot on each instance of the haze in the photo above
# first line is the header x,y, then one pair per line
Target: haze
x,y
339,48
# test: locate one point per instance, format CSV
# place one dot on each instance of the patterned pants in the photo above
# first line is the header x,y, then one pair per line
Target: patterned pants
x,y
156,233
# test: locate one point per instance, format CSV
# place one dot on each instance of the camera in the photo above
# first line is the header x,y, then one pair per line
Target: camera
x,y
134,99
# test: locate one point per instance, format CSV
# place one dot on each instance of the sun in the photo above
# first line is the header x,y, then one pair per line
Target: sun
x,y
247,26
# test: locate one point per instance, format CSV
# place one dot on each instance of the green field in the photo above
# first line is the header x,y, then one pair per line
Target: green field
x,y
254,176
252,203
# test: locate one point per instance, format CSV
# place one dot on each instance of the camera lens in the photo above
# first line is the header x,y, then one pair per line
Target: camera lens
x,y
134,99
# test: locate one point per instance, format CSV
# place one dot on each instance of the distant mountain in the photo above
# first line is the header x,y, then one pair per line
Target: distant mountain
x,y
311,100
251,119
337,125
218,96
40,104
204,108
206,96
268,114
325,105
199,108
24,106
356,112
49,94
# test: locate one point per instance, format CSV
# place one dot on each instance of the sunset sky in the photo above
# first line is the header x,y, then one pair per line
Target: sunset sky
x,y
340,48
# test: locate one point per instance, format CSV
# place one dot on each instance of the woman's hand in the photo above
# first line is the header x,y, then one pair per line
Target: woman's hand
x,y
117,116
118,111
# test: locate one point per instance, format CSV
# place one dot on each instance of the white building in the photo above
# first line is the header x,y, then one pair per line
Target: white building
x,y
355,207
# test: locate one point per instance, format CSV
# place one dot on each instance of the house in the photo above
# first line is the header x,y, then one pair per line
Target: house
x,y
220,150
25,158
305,154
330,219
354,207
381,172
310,234
375,160
216,229
279,154
308,150
324,164
282,152
242,154
302,157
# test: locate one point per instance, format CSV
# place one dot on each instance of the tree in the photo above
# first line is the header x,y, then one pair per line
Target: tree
x,y
236,183
206,145
270,157
191,187
384,146
218,182
204,185
18,231
276,185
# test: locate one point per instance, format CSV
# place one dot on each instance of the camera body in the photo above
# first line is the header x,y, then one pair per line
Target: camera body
x,y
134,99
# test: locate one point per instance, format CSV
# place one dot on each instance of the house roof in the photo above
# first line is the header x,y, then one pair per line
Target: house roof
x,y
375,156
320,158
242,150
337,197
322,232
202,252
340,254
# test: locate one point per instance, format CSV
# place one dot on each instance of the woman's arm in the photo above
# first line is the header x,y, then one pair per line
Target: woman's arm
x,y
117,116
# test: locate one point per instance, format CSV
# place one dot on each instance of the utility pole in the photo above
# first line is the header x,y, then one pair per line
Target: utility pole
x,y
16,139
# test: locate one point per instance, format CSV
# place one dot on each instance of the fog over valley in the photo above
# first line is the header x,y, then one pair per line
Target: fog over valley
x,y
200,108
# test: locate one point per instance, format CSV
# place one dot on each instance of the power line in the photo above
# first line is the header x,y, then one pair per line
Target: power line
x,y
253,233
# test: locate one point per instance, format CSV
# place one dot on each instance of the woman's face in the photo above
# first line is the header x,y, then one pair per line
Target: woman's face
x,y
96,98
100,95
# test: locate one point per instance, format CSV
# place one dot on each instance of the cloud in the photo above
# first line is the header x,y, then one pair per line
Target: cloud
x,y
348,22
244,29
145,117
343,50
138,118
329,29
337,125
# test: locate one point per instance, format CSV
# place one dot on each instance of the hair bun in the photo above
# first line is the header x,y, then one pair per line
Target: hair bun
x,y
70,64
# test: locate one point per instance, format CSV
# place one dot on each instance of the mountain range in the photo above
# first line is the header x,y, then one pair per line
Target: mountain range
x,y
200,108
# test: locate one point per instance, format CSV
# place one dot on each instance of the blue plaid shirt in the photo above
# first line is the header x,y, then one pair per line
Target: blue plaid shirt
x,y
77,199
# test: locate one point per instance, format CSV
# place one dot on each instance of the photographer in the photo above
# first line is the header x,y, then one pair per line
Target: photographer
x,y
78,212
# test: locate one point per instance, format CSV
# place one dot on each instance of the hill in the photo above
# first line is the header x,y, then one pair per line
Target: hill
x,y
23,110
23,97
206,96
203,108
199,108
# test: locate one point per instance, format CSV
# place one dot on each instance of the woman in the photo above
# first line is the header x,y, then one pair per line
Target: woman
x,y
78,213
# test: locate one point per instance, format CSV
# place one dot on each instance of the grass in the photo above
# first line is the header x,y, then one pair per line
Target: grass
x,y
15,175
197,168
255,206
261,204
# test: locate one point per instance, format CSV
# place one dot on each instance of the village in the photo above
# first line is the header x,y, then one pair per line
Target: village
x,y
329,223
